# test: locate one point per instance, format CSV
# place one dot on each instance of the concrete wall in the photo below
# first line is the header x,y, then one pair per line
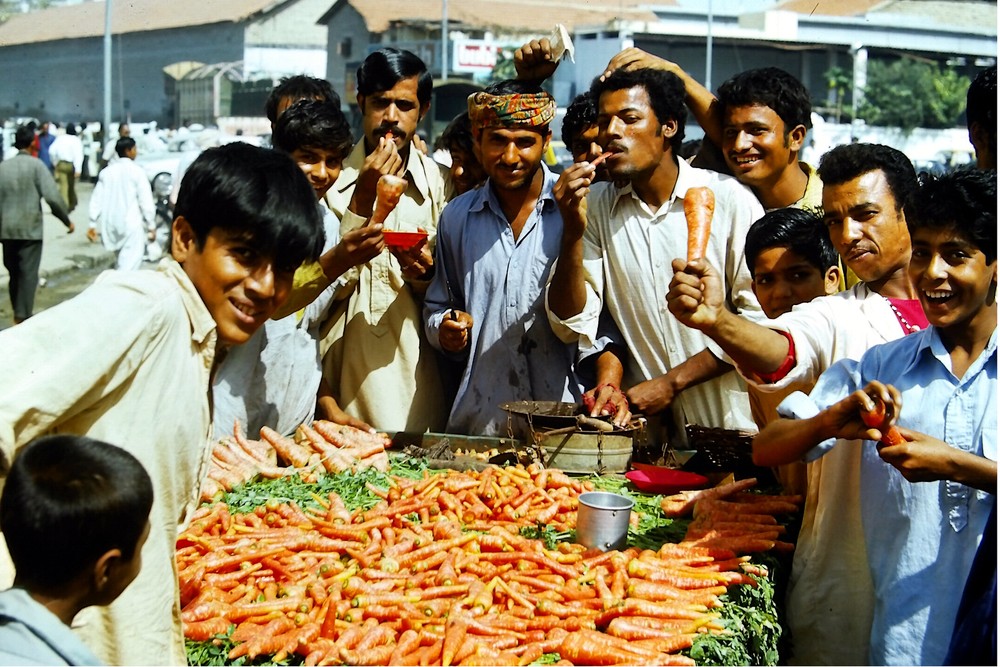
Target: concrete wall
x,y
67,80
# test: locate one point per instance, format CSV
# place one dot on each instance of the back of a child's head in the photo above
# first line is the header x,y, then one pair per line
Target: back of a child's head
x,y
963,200
299,87
800,230
67,501
257,192
313,124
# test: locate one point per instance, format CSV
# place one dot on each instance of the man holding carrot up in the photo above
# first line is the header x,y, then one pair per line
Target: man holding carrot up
x,y
616,249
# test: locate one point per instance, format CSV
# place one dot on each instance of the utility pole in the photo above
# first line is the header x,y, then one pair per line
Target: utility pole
x,y
708,49
444,39
106,134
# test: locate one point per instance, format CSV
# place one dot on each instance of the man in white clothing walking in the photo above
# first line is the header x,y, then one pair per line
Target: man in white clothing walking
x,y
122,208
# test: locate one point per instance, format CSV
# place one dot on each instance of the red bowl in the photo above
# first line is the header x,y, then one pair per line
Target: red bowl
x,y
651,479
403,240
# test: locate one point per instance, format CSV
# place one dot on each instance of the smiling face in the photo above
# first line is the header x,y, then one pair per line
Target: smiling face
x,y
629,129
755,145
320,165
954,283
240,287
512,156
396,111
783,278
866,226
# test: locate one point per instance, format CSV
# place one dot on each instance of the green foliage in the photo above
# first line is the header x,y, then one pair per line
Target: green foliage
x,y
504,69
654,528
909,93
751,629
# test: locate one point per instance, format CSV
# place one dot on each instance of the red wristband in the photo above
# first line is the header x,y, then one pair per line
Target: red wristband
x,y
787,365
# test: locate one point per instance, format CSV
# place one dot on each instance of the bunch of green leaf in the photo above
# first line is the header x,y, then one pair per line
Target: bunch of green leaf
x,y
751,627
654,528
547,534
216,652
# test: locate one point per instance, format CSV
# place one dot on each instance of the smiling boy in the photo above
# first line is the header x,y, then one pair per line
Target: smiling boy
x,y
925,502
129,361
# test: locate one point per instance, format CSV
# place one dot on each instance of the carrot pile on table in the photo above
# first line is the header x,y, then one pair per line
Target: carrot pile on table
x,y
438,573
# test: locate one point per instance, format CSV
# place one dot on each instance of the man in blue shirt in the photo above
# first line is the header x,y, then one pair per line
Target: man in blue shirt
x,y
925,500
495,249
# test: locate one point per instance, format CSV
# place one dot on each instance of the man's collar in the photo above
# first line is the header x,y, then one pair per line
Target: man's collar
x,y
486,197
685,174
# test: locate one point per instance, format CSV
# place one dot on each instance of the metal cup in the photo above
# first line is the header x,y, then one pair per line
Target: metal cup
x,y
602,520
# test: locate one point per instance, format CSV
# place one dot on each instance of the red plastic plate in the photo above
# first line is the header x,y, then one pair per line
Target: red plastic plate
x,y
403,240
652,479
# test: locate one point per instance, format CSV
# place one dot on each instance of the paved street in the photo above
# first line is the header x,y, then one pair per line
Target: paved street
x,y
69,261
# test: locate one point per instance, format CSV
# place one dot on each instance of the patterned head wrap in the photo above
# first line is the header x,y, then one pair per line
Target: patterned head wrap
x,y
524,109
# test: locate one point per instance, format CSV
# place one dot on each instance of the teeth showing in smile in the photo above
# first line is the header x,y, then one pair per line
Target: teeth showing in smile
x,y
249,311
938,295
745,160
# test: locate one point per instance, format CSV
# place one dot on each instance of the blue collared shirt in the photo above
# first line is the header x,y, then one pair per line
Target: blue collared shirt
x,y
30,634
483,270
921,537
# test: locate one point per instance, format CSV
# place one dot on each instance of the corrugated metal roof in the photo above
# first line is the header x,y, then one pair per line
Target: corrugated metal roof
x,y
831,7
503,14
87,19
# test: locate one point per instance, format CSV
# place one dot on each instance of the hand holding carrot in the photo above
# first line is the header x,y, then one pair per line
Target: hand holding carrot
x,y
697,296
455,330
882,413
699,207
570,193
388,190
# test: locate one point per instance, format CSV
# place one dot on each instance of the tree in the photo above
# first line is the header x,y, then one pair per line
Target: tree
x,y
909,93
838,79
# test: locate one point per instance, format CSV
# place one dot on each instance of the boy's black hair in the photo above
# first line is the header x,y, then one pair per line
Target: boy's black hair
x,y
71,129
770,87
258,192
963,199
580,114
124,145
67,501
457,136
981,102
23,136
848,161
384,68
665,90
299,87
313,124
800,230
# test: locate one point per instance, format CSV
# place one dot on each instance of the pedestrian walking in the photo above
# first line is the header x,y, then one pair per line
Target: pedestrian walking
x,y
122,208
24,182
66,155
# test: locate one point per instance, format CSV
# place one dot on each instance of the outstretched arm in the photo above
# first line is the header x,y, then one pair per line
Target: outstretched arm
x,y
925,459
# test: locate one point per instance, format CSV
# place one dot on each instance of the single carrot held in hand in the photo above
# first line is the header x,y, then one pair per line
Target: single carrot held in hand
x,y
877,418
600,158
699,207
388,190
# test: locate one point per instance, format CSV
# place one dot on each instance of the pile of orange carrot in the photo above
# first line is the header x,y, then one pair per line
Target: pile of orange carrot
x,y
438,573
322,447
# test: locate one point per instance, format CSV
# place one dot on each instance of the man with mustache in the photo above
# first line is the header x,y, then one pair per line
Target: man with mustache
x,y
617,242
380,366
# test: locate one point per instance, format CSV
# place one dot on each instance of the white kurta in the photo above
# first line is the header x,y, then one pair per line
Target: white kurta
x,y
830,594
627,251
128,362
378,361
122,209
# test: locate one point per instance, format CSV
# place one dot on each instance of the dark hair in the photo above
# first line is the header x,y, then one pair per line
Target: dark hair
x,y
800,230
963,199
981,102
299,87
384,68
23,136
313,124
770,87
70,128
68,500
848,161
457,136
665,90
124,145
580,114
261,193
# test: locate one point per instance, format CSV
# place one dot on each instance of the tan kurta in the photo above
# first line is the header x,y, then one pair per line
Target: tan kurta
x,y
128,362
381,367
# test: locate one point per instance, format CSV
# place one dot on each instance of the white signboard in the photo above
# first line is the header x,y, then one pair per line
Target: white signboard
x,y
474,55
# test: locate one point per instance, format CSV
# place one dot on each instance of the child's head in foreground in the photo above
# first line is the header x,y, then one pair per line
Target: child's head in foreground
x,y
952,221
245,219
791,259
75,513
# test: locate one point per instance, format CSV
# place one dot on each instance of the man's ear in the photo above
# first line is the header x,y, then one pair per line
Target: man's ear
x,y
424,108
548,140
183,241
361,102
831,280
797,137
668,129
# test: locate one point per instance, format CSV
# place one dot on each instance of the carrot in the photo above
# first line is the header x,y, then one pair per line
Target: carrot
x,y
699,207
600,158
454,634
406,644
877,418
289,450
378,655
388,190
587,647
201,631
